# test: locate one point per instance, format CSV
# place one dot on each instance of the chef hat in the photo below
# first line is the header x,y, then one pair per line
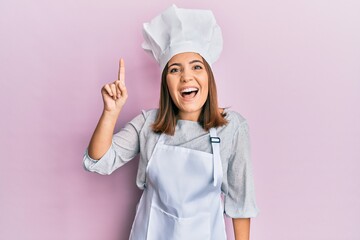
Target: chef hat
x,y
178,30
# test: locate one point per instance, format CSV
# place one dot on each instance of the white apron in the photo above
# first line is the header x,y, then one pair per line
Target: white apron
x,y
182,196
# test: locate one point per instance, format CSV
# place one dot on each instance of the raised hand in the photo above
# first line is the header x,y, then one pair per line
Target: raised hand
x,y
115,94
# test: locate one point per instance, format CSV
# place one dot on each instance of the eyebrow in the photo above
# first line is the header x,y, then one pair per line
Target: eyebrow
x,y
191,62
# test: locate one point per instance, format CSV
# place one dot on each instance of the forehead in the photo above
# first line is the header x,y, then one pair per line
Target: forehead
x,y
185,57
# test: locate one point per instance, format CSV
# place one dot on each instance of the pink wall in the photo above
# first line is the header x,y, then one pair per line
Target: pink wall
x,y
292,68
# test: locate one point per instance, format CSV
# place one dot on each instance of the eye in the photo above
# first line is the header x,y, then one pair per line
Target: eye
x,y
173,70
198,67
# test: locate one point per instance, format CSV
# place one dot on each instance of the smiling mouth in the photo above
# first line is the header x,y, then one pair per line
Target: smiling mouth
x,y
189,93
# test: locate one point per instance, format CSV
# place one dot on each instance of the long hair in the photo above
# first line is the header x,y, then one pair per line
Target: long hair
x,y
210,115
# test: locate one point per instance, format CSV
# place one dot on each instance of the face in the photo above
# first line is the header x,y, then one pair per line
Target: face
x,y
187,81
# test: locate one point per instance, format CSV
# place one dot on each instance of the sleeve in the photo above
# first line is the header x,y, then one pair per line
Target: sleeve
x,y
240,200
124,147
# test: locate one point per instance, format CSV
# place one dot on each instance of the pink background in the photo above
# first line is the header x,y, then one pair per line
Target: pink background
x,y
292,68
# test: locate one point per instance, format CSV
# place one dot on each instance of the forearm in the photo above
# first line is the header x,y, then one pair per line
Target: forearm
x,y
102,136
241,228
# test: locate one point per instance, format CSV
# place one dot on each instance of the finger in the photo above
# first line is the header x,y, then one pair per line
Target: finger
x,y
121,72
113,90
108,90
123,90
118,89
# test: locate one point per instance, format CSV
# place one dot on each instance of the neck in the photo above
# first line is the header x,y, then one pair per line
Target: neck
x,y
190,116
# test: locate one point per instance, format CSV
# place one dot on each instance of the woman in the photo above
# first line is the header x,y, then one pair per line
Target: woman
x,y
191,152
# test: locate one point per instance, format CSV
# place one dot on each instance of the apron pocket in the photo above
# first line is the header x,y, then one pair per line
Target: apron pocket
x,y
165,226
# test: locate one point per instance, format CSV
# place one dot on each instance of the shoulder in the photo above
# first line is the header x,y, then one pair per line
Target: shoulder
x,y
234,118
236,126
149,115
144,119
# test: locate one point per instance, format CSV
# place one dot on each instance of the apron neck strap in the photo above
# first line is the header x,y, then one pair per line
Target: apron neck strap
x,y
215,144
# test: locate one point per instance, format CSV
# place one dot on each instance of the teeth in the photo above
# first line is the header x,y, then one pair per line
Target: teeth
x,y
191,89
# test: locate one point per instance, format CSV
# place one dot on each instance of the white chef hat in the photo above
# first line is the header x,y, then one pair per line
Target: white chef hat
x,y
178,30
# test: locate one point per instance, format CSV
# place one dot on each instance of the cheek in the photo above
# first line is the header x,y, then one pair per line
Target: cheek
x,y
205,86
206,93
171,87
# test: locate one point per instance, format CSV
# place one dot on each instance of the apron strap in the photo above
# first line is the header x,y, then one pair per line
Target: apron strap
x,y
215,144
161,138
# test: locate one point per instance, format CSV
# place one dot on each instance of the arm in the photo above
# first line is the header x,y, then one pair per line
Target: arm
x,y
241,228
240,202
102,136
114,97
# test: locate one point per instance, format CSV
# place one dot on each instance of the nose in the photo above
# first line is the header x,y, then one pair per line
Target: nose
x,y
186,75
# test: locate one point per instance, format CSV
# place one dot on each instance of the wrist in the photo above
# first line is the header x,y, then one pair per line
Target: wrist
x,y
110,116
111,113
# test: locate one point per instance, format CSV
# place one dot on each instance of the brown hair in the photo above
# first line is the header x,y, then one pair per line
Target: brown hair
x,y
210,116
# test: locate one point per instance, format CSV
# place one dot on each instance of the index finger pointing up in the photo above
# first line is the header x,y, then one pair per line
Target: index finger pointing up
x,y
121,73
